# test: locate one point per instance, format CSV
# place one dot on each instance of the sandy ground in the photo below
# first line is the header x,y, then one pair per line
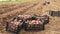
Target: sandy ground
x,y
35,7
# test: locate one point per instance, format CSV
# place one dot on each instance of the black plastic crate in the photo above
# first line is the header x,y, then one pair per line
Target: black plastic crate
x,y
45,19
58,13
33,27
54,13
13,26
51,13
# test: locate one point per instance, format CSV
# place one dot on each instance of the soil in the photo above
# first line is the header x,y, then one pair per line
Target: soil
x,y
36,7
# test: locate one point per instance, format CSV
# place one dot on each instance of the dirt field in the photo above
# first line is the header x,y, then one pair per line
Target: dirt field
x,y
35,7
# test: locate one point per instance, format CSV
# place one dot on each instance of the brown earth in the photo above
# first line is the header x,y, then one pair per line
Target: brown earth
x,y
35,7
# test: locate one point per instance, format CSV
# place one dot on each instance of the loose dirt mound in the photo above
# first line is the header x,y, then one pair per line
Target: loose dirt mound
x,y
37,7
